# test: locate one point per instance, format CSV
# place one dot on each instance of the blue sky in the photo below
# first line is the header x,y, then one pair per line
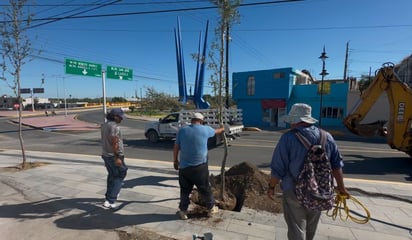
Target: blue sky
x,y
268,36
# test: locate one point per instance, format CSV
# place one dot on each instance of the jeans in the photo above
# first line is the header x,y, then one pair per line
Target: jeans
x,y
199,176
302,223
115,177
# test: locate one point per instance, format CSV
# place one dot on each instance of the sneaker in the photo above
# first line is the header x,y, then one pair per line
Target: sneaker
x,y
109,205
182,215
213,211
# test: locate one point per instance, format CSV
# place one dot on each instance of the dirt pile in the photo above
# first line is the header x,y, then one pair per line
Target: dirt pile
x,y
246,186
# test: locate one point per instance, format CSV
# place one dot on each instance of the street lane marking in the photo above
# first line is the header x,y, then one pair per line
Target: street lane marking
x,y
341,148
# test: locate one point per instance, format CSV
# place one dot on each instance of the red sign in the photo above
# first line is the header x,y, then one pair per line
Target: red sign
x,y
273,103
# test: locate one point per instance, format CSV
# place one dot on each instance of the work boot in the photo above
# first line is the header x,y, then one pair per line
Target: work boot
x,y
212,211
182,215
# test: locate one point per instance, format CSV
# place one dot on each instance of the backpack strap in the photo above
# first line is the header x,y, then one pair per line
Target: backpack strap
x,y
306,142
303,140
323,138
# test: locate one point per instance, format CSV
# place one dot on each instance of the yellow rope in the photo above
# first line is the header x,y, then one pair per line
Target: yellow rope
x,y
340,204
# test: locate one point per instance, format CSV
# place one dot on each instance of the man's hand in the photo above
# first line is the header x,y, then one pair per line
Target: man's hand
x,y
176,164
118,162
272,187
343,191
271,192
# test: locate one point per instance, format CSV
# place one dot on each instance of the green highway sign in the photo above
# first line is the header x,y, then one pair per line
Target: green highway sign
x,y
83,68
119,73
38,90
25,90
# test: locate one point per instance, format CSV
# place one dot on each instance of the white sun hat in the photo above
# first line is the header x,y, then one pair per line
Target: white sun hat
x,y
197,115
300,112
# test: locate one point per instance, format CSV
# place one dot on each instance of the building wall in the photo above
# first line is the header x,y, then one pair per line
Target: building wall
x,y
333,102
282,92
30,100
274,83
253,117
337,101
272,89
7,102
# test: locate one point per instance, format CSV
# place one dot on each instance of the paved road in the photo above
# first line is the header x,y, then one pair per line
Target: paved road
x,y
363,159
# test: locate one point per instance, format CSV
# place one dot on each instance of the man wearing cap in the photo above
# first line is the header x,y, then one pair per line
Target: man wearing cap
x,y
191,143
287,161
113,155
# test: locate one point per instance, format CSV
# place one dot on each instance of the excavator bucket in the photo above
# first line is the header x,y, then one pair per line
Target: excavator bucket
x,y
370,129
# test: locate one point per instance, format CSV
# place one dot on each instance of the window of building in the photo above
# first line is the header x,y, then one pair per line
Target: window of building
x,y
266,115
332,112
251,86
299,79
278,75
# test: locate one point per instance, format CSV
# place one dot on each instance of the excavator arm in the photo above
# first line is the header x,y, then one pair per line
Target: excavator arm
x,y
398,131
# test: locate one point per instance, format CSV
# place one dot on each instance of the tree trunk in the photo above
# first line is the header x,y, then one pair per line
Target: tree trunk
x,y
222,169
221,66
23,154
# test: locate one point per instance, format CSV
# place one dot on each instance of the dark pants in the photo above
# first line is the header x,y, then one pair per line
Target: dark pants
x,y
115,177
198,176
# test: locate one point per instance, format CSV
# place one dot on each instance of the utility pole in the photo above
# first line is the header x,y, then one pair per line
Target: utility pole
x,y
345,70
64,93
32,99
227,65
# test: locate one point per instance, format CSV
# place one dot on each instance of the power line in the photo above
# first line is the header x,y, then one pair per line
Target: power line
x,y
326,28
119,4
47,9
244,45
156,11
50,59
75,14
249,30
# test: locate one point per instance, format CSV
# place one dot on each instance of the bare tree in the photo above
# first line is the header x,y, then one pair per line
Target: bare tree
x,y
228,15
15,52
161,101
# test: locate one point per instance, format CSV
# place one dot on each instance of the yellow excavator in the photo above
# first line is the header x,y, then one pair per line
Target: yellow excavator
x,y
398,129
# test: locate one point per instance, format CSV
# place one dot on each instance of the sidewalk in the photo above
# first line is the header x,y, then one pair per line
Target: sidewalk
x,y
62,200
59,122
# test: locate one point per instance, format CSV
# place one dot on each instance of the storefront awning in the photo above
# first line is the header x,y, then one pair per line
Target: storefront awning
x,y
273,103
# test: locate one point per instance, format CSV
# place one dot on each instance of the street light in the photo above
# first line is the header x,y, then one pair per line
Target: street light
x,y
323,74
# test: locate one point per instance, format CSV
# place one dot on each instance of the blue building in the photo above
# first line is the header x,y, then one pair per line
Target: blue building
x,y
265,96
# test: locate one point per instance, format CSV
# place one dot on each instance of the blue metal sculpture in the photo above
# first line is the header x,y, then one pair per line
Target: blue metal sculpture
x,y
197,97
